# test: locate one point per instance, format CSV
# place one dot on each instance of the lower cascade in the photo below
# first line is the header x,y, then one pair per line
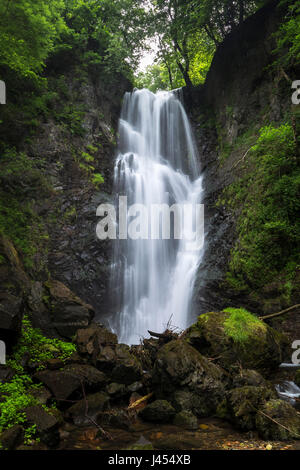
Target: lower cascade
x,y
152,277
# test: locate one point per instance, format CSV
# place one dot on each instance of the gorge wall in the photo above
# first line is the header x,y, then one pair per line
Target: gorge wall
x,y
242,93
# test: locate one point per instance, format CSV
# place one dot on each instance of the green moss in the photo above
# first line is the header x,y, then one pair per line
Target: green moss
x,y
15,397
18,393
241,324
38,348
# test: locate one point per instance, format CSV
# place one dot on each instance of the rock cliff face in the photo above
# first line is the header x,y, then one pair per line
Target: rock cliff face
x,y
241,94
67,284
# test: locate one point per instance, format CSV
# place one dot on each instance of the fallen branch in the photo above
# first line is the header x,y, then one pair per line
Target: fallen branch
x,y
272,315
139,402
167,334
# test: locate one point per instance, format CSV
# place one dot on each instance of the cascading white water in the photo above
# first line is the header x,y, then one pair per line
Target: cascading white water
x,y
153,279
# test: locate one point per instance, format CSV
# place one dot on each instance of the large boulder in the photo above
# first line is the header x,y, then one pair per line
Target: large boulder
x,y
69,312
187,379
237,337
278,420
64,383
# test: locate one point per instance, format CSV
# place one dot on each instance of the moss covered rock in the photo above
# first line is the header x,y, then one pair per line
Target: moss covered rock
x,y
186,419
188,379
241,405
160,411
278,420
236,336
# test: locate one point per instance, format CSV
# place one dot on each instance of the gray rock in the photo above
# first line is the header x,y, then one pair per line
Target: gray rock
x,y
46,424
64,383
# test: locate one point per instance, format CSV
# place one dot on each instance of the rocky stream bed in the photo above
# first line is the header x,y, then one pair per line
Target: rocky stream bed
x,y
209,387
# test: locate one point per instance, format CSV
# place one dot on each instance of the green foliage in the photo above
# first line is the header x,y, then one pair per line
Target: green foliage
x,y
38,348
97,179
18,393
268,231
30,434
28,30
15,397
154,78
85,161
241,324
71,116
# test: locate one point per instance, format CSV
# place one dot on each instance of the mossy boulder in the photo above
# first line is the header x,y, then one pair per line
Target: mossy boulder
x,y
186,378
236,336
241,405
278,420
159,411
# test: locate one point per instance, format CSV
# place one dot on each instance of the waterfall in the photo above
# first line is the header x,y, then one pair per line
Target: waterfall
x,y
152,279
